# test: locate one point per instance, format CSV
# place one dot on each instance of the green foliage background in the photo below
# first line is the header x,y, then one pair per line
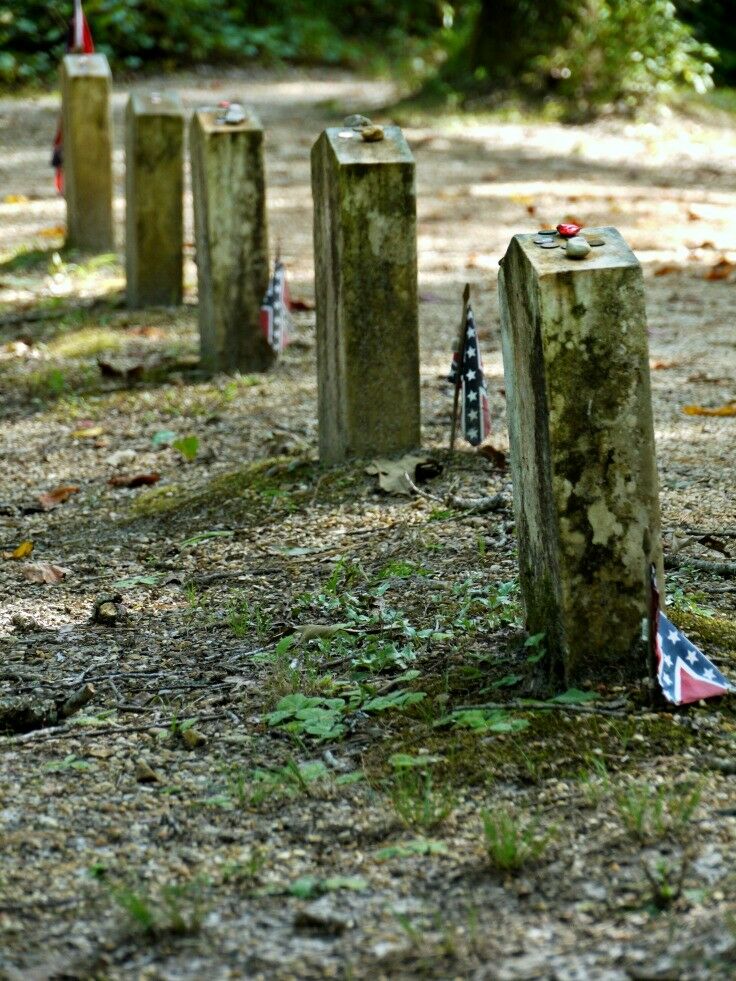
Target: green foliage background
x,y
588,54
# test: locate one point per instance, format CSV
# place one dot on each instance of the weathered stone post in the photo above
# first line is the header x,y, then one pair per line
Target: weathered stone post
x,y
582,452
365,256
86,82
231,236
154,184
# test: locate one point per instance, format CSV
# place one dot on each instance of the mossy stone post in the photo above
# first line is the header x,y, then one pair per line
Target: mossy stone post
x,y
583,464
154,184
365,256
86,82
228,185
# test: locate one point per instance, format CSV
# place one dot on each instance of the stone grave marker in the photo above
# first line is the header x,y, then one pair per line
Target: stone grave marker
x,y
583,464
154,184
86,82
366,294
228,186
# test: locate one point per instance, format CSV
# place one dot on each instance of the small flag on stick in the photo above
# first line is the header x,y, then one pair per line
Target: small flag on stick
x,y
684,673
276,310
79,41
466,373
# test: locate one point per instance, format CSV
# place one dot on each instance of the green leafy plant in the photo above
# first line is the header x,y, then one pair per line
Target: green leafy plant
x,y
314,716
247,869
176,909
188,446
665,879
308,886
70,762
484,720
512,841
418,801
407,849
245,617
650,813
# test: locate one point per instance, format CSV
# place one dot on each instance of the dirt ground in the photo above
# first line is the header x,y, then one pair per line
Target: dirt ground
x,y
182,820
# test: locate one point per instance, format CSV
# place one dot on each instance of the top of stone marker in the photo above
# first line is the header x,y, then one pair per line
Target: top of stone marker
x,y
615,253
87,66
157,104
209,117
350,148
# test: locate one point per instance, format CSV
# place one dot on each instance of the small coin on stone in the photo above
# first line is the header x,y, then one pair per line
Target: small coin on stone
x,y
550,243
547,231
594,240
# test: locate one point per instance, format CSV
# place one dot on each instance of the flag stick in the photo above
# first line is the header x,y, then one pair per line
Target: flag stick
x,y
459,374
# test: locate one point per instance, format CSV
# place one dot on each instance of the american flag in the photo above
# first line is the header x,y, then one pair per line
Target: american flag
x,y
684,673
275,310
79,41
467,371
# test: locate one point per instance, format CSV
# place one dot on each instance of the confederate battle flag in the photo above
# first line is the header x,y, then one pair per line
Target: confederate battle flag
x,y
275,310
466,372
684,673
79,41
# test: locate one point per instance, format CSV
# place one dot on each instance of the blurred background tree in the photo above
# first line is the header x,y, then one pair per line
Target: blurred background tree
x,y
585,56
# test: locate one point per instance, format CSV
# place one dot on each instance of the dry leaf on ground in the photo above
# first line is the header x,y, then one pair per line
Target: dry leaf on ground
x,y
44,572
392,473
703,410
134,480
52,499
722,270
496,457
88,433
21,552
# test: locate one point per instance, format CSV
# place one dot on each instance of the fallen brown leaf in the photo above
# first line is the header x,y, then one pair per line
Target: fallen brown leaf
x,y
666,270
722,270
21,552
153,333
497,457
702,410
44,572
90,432
128,368
53,498
302,305
134,480
391,473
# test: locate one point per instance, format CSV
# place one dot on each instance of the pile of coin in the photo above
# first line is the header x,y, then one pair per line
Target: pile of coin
x,y
574,242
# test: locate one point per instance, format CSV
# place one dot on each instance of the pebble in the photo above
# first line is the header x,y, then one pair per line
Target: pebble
x,y
372,134
577,248
356,120
144,772
193,738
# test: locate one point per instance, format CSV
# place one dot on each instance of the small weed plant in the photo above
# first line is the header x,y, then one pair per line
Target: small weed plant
x,y
511,841
177,909
418,801
652,813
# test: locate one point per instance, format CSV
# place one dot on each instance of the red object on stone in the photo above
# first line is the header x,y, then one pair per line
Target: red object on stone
x,y
568,231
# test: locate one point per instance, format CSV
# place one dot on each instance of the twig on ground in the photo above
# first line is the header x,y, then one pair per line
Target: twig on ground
x,y
616,707
62,732
725,569
478,505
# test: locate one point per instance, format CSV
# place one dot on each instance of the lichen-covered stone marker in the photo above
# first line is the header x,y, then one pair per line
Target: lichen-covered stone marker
x,y
228,185
582,453
154,183
86,82
366,294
